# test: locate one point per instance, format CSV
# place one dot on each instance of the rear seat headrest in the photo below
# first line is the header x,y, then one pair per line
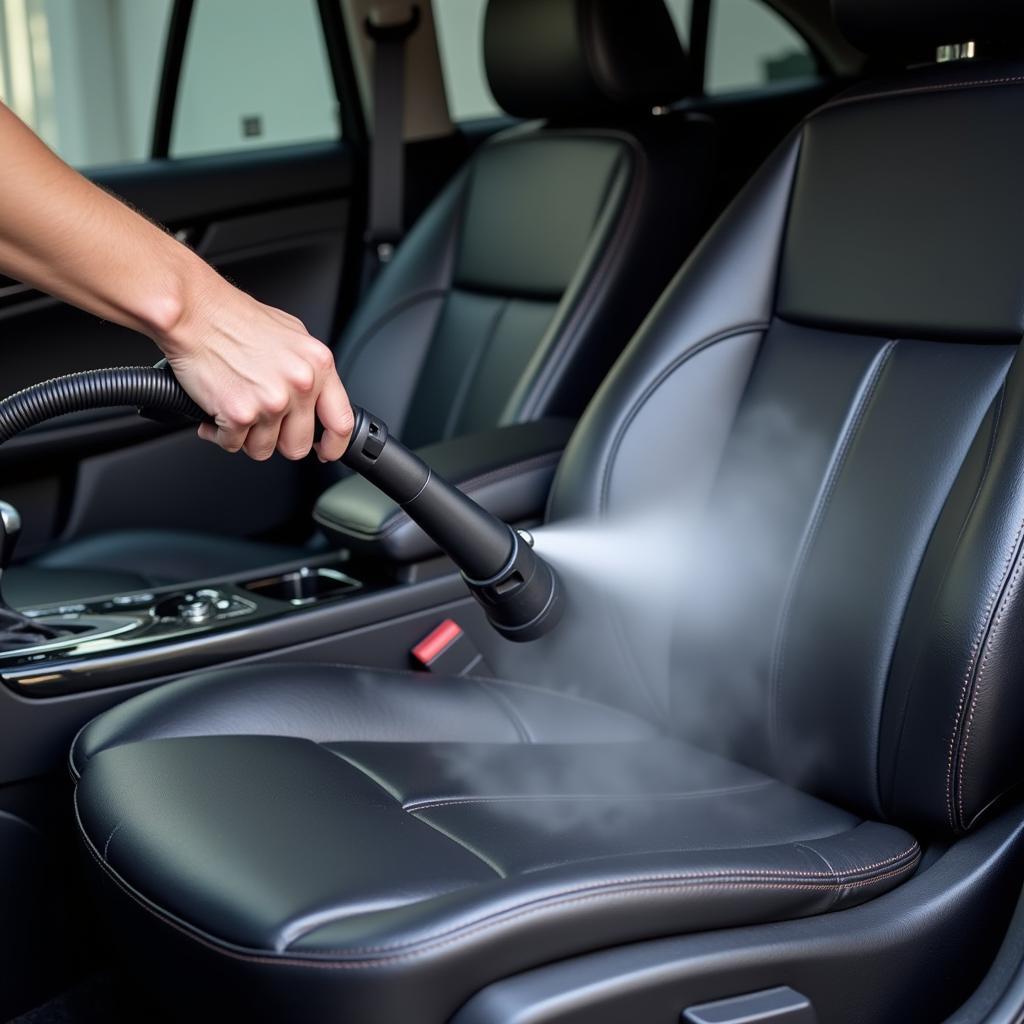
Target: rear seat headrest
x,y
572,60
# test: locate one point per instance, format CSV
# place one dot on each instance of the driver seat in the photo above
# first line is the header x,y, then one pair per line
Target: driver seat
x,y
829,403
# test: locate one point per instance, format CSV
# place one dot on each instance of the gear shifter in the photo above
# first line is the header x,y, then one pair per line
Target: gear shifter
x,y
16,630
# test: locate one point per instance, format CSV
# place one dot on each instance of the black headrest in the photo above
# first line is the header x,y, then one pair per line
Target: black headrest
x,y
573,59
912,29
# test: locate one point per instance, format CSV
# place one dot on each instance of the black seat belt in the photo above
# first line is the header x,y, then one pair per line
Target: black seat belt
x,y
389,25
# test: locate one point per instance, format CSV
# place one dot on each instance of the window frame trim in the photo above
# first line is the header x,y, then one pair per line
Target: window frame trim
x,y
701,14
340,67
170,75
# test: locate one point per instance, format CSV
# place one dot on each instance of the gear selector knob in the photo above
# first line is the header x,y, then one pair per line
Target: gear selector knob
x,y
10,530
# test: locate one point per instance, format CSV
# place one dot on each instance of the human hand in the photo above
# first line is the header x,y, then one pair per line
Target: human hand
x,y
260,375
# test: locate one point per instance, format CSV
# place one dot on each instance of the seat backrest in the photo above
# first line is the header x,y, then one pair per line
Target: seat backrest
x,y
521,283
830,402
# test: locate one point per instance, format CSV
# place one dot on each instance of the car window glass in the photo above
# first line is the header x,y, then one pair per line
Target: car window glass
x,y
84,74
460,40
680,11
254,73
751,46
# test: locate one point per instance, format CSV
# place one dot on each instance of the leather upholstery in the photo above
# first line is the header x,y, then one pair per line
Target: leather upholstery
x,y
508,471
928,282
845,630
587,57
882,443
512,295
470,828
914,28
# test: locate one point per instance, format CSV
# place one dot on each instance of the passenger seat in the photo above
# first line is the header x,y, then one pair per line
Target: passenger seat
x,y
520,284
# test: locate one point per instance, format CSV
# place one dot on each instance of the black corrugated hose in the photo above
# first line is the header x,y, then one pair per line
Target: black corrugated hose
x,y
152,390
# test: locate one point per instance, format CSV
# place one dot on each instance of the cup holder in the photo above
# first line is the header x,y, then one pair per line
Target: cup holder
x,y
304,586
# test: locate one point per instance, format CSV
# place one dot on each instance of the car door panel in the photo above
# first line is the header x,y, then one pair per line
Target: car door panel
x,y
273,222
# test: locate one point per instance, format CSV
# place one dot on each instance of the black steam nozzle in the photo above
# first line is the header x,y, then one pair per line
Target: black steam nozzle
x,y
518,591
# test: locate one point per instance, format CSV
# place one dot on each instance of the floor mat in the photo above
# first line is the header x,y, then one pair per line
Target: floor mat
x,y
98,1001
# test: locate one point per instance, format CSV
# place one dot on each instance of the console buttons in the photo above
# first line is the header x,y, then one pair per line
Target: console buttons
x,y
195,611
203,607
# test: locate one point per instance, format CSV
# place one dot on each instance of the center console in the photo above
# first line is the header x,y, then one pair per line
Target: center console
x,y
369,602
104,641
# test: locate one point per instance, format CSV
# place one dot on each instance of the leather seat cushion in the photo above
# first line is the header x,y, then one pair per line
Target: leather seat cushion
x,y
312,816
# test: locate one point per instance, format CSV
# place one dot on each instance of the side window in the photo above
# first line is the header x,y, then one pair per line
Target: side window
x,y
460,40
254,73
680,11
84,75
751,46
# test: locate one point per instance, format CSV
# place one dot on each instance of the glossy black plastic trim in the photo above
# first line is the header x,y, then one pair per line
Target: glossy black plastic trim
x,y
170,75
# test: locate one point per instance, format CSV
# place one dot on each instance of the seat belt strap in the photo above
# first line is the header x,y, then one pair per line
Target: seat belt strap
x,y
389,25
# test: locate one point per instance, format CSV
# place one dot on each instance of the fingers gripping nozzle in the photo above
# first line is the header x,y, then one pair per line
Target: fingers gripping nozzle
x,y
518,591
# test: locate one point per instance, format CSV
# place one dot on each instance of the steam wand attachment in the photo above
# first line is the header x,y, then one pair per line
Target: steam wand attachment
x,y
518,591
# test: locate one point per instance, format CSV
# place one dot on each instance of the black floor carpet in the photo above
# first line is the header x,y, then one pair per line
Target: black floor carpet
x,y
101,1000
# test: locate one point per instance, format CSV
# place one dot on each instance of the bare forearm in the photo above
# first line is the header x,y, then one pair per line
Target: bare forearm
x,y
254,369
62,234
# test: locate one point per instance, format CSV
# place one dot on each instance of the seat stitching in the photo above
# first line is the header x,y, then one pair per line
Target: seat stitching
x,y
738,878
976,690
577,310
750,876
739,881
831,870
975,651
294,961
106,845
833,474
923,89
565,341
975,498
694,794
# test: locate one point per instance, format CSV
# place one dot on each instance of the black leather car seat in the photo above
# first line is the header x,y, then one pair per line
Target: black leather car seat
x,y
831,397
520,284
